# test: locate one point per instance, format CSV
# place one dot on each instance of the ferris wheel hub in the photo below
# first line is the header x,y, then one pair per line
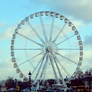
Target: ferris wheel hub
x,y
49,47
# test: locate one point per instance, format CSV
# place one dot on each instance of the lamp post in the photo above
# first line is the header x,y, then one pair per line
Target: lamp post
x,y
29,81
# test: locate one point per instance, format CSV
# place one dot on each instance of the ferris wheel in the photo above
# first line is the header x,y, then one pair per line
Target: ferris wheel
x,y
47,44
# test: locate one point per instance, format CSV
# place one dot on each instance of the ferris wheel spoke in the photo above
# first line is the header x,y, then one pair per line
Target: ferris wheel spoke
x,y
39,68
67,49
44,67
62,29
27,49
66,39
66,58
34,30
51,61
29,39
37,65
43,29
51,31
59,70
28,60
62,67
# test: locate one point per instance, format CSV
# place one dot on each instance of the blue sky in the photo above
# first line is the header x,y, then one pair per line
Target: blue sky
x,y
13,11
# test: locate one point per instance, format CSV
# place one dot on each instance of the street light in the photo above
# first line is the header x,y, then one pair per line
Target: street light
x,y
29,81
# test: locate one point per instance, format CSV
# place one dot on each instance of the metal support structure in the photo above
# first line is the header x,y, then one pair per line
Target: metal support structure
x,y
59,72
54,71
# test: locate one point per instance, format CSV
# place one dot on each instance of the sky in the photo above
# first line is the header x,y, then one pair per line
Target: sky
x,y
13,11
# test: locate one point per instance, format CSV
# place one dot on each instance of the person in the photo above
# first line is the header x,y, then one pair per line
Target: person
x,y
71,89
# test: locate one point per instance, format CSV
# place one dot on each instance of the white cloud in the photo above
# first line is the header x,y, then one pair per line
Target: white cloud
x,y
80,9
3,24
8,33
87,61
7,69
88,40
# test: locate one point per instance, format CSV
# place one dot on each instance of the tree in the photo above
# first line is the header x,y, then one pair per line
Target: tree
x,y
10,83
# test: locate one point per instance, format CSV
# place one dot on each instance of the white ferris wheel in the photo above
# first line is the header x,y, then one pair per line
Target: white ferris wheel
x,y
47,44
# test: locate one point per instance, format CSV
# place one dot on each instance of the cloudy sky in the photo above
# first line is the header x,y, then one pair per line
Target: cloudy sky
x,y
13,11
